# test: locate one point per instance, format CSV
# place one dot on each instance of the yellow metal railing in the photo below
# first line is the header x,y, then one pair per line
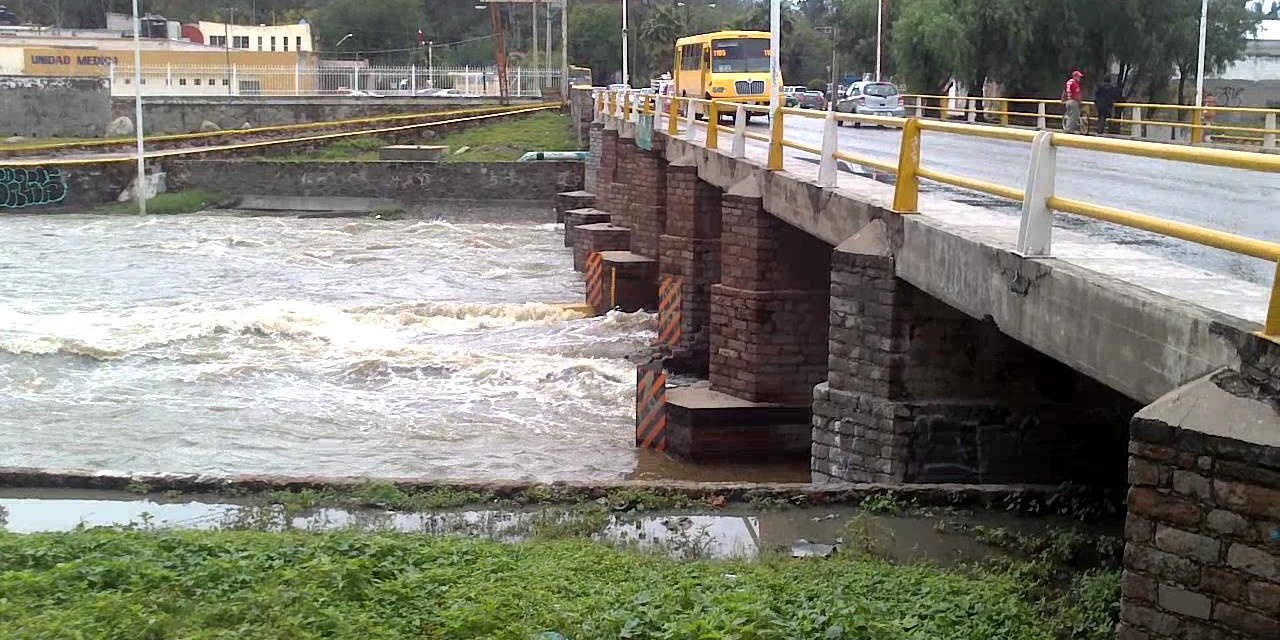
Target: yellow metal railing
x,y
1036,198
1249,125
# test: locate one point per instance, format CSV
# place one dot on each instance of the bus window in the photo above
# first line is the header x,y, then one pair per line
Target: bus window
x,y
691,57
740,55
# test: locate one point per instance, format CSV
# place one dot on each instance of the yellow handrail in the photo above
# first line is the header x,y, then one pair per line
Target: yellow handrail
x,y
909,172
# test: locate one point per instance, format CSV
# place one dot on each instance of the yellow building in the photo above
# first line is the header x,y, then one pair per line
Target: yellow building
x,y
170,67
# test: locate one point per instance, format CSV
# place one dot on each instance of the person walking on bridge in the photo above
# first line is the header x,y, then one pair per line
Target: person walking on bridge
x,y
1104,99
1071,96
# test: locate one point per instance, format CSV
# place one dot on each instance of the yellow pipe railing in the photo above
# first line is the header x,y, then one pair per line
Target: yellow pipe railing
x,y
909,172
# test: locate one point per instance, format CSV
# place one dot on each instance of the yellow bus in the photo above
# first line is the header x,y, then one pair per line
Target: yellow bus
x,y
725,65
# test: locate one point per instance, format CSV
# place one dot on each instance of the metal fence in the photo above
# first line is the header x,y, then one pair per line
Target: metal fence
x,y
328,80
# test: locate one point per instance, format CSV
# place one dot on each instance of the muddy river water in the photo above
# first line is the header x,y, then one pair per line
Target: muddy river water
x,y
436,347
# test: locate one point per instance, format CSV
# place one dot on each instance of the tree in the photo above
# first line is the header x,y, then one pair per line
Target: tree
x,y
656,37
595,39
375,26
856,26
929,45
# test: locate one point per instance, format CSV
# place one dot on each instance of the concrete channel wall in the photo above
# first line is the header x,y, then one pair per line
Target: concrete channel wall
x,y
44,107
408,182
186,114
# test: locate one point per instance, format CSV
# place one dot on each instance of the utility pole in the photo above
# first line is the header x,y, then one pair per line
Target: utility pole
x,y
141,184
226,44
564,50
775,55
626,77
533,51
879,35
1204,29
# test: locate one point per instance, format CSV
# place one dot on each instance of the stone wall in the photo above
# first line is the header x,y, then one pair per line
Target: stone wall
x,y
638,195
920,392
582,110
43,107
408,182
769,312
162,115
595,142
59,188
1202,557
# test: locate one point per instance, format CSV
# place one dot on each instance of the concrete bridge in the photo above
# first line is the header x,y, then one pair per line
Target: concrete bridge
x,y
946,346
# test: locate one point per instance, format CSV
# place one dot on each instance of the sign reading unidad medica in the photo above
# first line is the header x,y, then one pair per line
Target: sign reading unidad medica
x,y
644,133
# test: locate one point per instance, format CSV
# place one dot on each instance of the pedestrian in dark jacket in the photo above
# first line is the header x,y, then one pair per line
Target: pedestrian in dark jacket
x,y
1104,99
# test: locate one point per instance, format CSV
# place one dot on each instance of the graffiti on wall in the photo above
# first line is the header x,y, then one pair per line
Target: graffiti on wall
x,y
22,187
1231,96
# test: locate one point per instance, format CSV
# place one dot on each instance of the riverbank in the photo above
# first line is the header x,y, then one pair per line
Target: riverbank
x,y
630,565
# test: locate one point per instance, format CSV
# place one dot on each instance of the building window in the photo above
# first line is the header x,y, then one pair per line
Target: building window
x,y
197,82
285,42
240,42
299,43
218,41
182,82
273,43
225,82
128,81
259,43
212,82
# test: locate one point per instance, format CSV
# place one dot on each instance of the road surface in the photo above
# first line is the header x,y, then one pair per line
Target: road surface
x,y
1239,201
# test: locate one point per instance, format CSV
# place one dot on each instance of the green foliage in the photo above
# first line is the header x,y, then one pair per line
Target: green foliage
x,y
187,201
127,585
887,503
597,39
1091,606
508,139
376,26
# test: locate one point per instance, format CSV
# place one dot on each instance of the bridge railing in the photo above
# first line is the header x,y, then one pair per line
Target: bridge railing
x,y
1137,120
679,118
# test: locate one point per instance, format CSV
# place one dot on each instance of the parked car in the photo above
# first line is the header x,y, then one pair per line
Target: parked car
x,y
872,99
812,100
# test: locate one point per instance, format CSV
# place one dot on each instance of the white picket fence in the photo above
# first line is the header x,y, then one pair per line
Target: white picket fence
x,y
300,80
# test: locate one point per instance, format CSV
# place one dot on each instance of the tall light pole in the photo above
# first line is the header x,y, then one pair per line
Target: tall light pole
x,y
141,190
879,35
775,54
1204,29
626,76
564,50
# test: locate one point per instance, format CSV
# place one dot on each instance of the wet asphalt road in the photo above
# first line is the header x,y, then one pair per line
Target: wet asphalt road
x,y
1243,202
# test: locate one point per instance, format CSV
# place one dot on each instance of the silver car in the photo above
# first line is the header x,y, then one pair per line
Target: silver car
x,y
872,99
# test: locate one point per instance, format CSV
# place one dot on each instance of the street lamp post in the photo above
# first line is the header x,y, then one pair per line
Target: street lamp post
x,y
141,185
626,77
879,34
1204,28
775,55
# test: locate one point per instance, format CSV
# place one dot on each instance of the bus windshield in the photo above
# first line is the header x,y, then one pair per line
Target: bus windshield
x,y
740,55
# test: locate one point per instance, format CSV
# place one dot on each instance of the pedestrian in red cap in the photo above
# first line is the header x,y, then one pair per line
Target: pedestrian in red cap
x,y
1071,96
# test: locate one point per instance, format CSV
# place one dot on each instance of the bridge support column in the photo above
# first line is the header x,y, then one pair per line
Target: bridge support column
x,y
1202,552
769,312
919,392
641,197
595,146
605,177
690,264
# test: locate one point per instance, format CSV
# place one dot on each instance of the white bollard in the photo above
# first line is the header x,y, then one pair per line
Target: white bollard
x,y
689,121
919,107
827,165
1042,122
1269,139
739,148
1136,116
1035,235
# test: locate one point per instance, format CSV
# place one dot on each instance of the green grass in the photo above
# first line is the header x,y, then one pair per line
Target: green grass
x,y
193,585
509,139
353,149
189,201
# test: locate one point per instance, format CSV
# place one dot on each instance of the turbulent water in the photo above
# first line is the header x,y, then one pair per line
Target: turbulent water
x,y
226,344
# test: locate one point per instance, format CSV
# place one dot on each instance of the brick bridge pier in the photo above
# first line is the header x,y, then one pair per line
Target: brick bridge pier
x,y
828,327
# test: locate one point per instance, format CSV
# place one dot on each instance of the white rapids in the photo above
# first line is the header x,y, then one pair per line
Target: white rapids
x,y
226,345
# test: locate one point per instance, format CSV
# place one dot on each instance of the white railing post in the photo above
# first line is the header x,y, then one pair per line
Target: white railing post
x,y
689,121
827,164
168,75
413,79
1035,235
1136,131
919,106
1269,139
971,110
297,79
235,77
739,147
1042,121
